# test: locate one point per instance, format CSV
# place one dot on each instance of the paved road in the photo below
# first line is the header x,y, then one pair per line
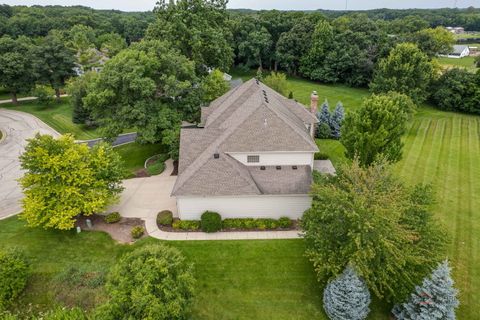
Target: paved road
x,y
26,99
121,139
16,128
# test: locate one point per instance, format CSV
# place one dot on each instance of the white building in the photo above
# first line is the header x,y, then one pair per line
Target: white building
x,y
459,51
251,156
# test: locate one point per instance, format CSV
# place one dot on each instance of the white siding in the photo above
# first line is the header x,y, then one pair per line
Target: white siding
x,y
292,206
276,158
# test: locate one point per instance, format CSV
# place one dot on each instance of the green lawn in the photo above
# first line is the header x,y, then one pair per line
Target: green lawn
x,y
465,62
135,154
5,95
235,279
57,116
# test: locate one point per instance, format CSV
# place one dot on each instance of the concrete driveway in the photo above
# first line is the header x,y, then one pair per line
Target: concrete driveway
x,y
16,128
145,197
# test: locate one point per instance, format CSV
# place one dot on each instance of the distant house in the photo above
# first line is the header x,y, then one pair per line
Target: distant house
x,y
456,30
459,51
95,62
251,156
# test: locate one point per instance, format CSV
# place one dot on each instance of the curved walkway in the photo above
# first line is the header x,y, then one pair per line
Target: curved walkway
x,y
17,127
145,197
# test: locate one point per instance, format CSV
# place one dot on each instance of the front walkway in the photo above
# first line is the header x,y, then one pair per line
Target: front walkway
x,y
145,197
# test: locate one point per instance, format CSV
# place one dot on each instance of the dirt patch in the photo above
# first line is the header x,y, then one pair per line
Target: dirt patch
x,y
175,168
142,173
119,231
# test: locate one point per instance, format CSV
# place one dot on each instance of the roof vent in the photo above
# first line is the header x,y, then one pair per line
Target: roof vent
x,y
278,167
216,155
256,80
262,168
294,167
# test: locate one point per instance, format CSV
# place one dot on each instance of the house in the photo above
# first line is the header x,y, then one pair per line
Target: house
x,y
251,156
459,51
456,30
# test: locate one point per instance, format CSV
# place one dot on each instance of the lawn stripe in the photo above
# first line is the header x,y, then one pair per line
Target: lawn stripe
x,y
410,149
410,171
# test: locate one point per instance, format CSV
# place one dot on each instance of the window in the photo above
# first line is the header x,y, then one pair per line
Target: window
x,y
252,159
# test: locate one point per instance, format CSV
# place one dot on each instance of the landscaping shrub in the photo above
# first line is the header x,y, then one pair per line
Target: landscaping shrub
x,y
44,94
14,271
152,282
211,221
266,224
165,218
137,232
284,222
113,217
186,225
64,314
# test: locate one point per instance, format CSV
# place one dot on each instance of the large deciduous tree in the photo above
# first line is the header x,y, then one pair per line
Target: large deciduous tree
x,y
434,41
153,282
406,70
366,218
197,28
111,44
16,65
377,128
64,179
148,86
214,85
78,88
54,61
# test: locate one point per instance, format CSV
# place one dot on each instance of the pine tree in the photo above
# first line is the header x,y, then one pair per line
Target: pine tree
x,y
436,299
337,120
347,297
324,119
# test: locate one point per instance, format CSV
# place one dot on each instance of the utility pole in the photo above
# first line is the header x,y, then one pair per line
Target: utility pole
x,y
346,5
455,4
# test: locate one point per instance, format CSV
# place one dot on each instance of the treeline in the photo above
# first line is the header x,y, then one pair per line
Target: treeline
x,y
37,21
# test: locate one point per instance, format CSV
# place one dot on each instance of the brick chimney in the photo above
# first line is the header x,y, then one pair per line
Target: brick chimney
x,y
314,102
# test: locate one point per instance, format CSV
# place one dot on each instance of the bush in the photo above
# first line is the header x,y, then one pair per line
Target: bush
x,y
165,218
137,232
44,94
14,271
113,217
284,222
266,224
65,313
186,225
278,82
321,156
211,222
324,131
152,282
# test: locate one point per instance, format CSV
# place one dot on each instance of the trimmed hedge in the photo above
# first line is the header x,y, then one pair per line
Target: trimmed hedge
x,y
165,218
261,224
137,232
113,217
211,222
186,225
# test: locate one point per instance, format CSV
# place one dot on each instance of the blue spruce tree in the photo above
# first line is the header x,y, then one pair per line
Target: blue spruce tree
x,y
436,299
337,120
324,119
347,297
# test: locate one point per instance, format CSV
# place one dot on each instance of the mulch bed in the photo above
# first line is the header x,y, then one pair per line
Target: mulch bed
x,y
175,168
119,231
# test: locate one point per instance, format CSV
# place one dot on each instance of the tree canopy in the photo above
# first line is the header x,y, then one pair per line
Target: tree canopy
x,y
64,179
366,218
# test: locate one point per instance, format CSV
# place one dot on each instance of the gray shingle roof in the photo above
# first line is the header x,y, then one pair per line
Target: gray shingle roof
x,y
248,118
458,49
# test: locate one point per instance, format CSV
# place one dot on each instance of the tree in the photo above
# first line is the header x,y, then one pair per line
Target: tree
x,y
324,119
77,89
111,44
14,271
64,179
322,39
477,61
366,218
54,61
16,65
152,282
83,41
144,86
197,28
214,86
376,129
44,94
255,46
293,45
435,299
457,90
347,297
277,81
434,41
406,70
336,121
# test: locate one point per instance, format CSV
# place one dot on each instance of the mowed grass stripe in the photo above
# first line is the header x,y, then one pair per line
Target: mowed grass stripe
x,y
433,158
414,153
412,132
475,219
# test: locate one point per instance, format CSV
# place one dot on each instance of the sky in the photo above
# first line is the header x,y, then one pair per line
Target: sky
x,y
145,5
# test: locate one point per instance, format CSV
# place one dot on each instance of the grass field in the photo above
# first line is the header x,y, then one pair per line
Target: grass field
x,y
135,154
57,116
465,62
